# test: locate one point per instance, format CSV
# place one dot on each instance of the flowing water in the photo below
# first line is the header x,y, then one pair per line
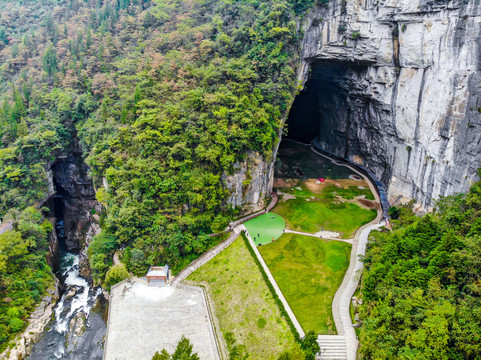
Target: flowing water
x,y
78,327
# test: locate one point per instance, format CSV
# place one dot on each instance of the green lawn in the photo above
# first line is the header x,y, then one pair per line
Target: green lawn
x,y
248,315
308,271
263,229
323,211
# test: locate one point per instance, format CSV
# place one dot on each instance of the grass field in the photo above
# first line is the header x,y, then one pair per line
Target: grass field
x,y
338,204
265,228
311,216
308,272
248,315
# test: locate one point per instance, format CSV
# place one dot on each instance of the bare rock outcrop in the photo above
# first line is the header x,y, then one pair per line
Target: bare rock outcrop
x,y
400,90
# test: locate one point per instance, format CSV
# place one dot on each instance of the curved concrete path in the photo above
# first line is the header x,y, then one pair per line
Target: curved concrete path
x,y
347,290
342,299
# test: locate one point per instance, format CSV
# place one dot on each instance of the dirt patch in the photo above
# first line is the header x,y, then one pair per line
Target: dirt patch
x,y
284,183
285,196
315,186
346,183
367,204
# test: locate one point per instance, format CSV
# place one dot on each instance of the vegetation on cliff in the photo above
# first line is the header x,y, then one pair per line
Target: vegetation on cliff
x,y
422,284
24,273
164,96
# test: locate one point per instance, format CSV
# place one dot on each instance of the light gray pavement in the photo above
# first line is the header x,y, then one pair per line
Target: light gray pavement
x,y
348,287
342,299
274,284
143,320
287,231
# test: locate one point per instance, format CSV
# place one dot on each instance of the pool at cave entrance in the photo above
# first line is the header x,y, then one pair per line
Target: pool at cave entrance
x,y
296,160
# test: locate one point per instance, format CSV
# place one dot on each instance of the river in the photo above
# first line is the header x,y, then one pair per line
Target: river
x,y
78,327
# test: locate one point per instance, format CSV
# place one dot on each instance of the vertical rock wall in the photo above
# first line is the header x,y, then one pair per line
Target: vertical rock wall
x,y
75,188
407,97
250,183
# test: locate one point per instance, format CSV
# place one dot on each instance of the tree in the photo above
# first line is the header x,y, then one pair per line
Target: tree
x,y
137,261
310,345
164,355
182,352
394,212
49,60
116,274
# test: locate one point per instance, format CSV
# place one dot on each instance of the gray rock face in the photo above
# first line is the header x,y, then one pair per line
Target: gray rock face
x,y
75,187
398,89
250,183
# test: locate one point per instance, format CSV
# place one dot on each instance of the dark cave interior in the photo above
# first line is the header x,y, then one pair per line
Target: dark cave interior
x,y
324,107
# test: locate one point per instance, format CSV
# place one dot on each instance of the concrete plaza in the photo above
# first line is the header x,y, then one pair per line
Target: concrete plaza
x,y
143,320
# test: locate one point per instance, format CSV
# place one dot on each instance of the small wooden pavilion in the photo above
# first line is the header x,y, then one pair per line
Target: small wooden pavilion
x,y
158,274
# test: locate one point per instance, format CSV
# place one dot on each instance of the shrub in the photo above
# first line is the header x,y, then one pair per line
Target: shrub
x,y
137,261
116,274
355,35
394,212
15,324
310,346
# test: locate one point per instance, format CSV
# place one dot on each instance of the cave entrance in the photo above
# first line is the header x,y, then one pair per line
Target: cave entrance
x,y
321,112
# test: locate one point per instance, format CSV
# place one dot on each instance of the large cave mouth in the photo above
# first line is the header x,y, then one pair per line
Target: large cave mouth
x,y
321,112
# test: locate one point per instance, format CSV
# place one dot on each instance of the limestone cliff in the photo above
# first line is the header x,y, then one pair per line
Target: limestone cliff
x,y
74,190
250,183
398,89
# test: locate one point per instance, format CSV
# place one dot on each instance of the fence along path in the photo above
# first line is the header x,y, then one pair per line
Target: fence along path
x,y
236,230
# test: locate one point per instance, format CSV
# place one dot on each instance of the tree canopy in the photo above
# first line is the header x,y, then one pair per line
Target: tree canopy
x,y
422,284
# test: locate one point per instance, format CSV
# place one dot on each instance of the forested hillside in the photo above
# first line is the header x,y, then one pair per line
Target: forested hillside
x,y
422,285
163,95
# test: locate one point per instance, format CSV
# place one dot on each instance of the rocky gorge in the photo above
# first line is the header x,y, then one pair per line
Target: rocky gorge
x,y
59,323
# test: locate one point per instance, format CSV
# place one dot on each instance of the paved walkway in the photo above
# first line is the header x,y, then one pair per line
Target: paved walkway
x,y
342,299
274,284
194,265
287,231
348,287
116,259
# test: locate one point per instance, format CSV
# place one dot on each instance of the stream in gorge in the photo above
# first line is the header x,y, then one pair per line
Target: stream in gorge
x,y
79,324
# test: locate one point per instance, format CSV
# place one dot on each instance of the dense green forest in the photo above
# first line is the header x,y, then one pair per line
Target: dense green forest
x,y
25,275
163,95
422,286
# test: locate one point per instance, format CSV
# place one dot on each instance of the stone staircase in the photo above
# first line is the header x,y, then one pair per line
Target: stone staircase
x,y
333,347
